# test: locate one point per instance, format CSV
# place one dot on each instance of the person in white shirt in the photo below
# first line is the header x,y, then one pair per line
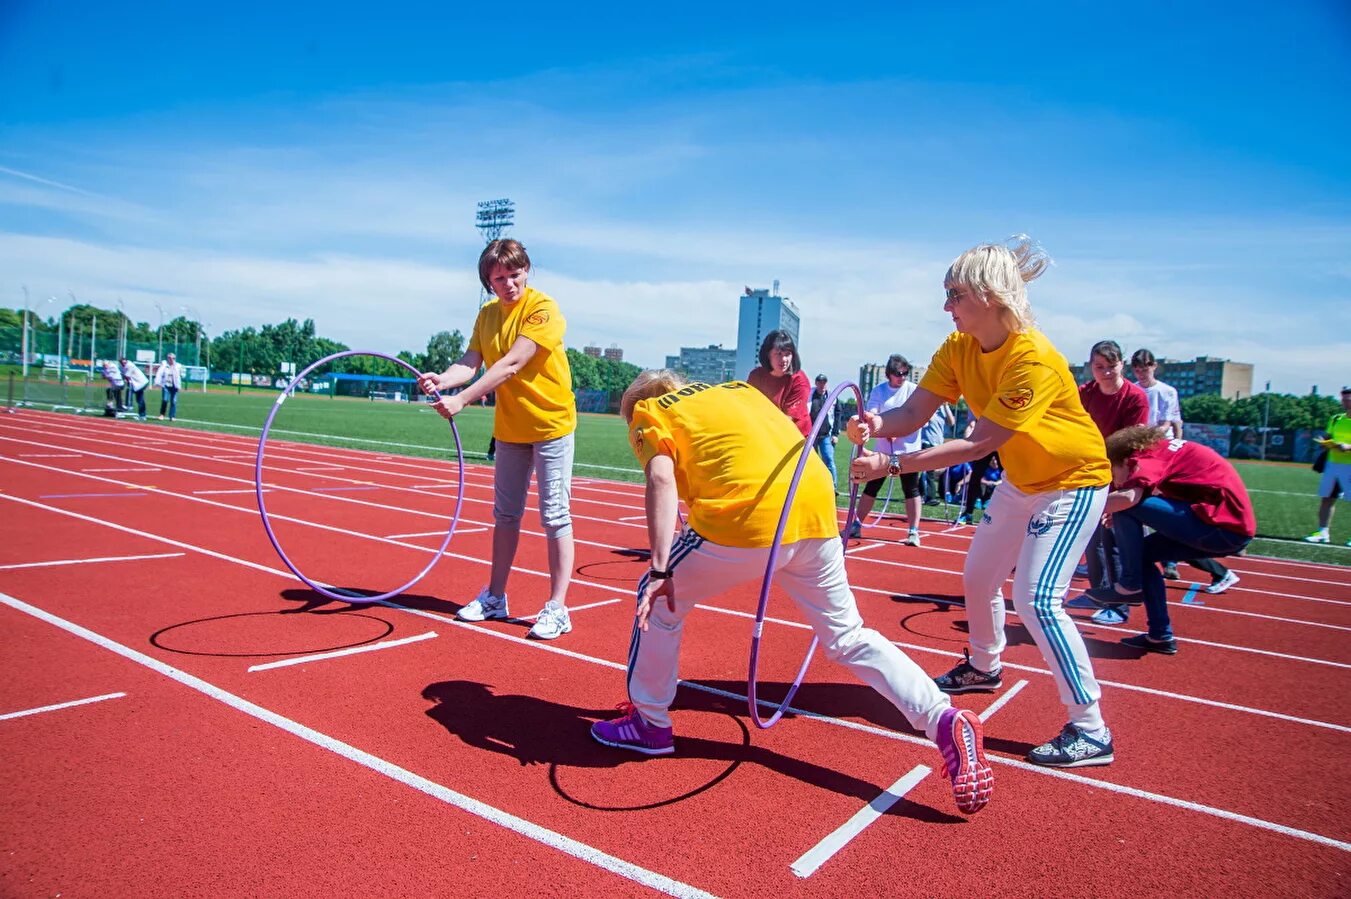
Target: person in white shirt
x,y
137,382
169,380
1165,412
889,395
114,394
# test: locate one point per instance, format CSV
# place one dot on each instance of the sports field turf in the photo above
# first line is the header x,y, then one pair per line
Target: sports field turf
x,y
1284,494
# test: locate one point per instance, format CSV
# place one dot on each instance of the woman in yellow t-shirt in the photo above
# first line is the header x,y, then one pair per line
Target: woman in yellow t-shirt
x,y
1056,478
518,337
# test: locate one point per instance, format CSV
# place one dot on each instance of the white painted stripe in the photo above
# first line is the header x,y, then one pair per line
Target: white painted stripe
x,y
220,492
56,562
440,533
1003,700
525,828
571,609
319,468
821,853
61,705
633,518
436,486
122,469
370,647
50,455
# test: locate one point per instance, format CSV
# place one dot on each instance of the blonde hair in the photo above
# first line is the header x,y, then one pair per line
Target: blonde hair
x,y
650,383
998,273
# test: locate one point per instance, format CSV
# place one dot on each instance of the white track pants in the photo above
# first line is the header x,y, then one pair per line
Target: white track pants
x,y
1043,534
812,573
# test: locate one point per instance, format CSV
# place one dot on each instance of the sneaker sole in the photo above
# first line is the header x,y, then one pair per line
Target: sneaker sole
x,y
488,617
645,750
1076,763
969,688
974,784
534,636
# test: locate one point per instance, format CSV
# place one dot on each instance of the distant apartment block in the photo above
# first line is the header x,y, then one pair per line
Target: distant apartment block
x,y
761,312
1194,377
591,351
711,364
614,354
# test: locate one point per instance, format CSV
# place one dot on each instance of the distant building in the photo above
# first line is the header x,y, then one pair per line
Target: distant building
x,y
711,364
591,351
614,354
1201,376
761,312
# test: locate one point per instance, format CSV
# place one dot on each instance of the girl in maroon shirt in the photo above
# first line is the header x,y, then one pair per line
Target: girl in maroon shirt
x,y
780,377
1194,501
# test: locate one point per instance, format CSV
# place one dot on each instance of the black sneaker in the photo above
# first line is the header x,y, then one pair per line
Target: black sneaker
x,y
966,678
1073,749
1170,571
1111,596
1142,641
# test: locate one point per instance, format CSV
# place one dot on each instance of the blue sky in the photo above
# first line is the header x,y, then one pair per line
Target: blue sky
x,y
1187,166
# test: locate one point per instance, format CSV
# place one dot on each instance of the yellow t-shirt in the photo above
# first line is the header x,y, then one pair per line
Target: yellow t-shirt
x,y
1025,386
537,404
735,454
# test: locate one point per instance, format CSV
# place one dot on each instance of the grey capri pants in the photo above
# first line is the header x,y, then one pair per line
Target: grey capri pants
x,y
551,462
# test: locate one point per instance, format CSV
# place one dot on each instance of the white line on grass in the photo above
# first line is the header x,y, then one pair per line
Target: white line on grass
x,y
56,562
353,650
61,705
527,829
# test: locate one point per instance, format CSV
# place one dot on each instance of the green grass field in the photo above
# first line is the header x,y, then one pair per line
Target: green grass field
x,y
1284,494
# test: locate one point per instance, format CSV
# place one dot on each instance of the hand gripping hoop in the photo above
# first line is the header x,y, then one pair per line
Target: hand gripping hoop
x,y
827,408
262,504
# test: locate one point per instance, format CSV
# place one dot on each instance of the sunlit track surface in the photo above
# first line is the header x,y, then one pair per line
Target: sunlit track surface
x,y
1223,750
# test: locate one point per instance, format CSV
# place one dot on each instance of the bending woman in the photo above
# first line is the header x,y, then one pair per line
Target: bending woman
x,y
1056,476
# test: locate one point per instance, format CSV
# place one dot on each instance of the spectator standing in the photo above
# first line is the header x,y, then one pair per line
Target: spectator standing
x,y
113,396
829,435
518,336
976,474
1194,501
1336,471
890,394
169,380
779,376
934,433
1113,403
137,382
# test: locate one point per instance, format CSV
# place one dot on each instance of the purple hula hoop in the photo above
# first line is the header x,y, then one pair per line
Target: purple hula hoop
x,y
262,504
827,408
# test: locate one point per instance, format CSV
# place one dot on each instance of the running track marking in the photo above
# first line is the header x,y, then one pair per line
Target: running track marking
x,y
364,536
87,561
804,713
371,647
50,455
241,490
823,851
123,469
543,835
84,495
61,705
435,533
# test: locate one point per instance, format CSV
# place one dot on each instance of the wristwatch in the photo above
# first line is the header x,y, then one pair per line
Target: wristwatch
x,y
894,468
658,575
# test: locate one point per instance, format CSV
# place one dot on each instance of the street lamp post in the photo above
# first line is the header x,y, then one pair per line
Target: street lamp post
x,y
23,342
60,351
1266,415
159,335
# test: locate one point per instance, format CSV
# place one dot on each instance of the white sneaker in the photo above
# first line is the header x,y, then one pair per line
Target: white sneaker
x,y
1318,537
552,622
1224,583
484,606
912,539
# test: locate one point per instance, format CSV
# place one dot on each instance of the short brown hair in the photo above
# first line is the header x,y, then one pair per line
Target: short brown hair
x,y
1107,349
1129,441
506,252
1143,358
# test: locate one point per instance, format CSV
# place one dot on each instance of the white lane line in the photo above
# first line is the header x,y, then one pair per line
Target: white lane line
x,y
822,852
219,492
433,486
122,469
571,609
56,562
50,455
525,828
458,531
371,647
815,716
319,468
818,855
61,705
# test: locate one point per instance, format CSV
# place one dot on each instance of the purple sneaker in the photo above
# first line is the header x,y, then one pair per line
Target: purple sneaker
x,y
633,732
959,739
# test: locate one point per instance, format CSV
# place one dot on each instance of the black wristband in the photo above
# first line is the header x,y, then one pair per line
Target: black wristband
x,y
656,575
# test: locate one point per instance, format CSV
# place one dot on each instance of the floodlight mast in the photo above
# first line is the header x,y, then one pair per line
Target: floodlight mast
x,y
493,219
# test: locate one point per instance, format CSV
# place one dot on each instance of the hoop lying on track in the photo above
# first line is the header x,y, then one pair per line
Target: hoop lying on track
x,y
726,451
262,503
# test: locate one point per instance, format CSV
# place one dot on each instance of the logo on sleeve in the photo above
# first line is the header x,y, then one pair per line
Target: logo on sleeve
x,y
537,318
1017,398
1039,525
637,438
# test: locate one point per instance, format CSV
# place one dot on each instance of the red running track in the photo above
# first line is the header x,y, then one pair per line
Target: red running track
x,y
458,762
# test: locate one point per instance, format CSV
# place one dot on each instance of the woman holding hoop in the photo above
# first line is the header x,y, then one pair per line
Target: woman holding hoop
x,y
894,392
518,336
722,451
1056,479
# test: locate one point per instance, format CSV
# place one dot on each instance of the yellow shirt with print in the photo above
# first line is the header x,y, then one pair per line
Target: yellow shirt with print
x,y
735,454
1025,386
537,404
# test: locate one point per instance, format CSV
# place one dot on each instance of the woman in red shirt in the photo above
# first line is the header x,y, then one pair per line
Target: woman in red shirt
x,y
1194,501
780,378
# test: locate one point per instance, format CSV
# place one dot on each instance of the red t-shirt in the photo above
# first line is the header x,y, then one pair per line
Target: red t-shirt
x,y
1128,406
791,394
1195,474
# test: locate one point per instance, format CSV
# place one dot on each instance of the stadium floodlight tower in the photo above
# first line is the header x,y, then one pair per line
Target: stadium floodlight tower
x,y
493,219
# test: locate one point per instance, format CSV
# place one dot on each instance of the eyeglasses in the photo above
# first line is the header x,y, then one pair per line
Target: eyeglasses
x,y
900,374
